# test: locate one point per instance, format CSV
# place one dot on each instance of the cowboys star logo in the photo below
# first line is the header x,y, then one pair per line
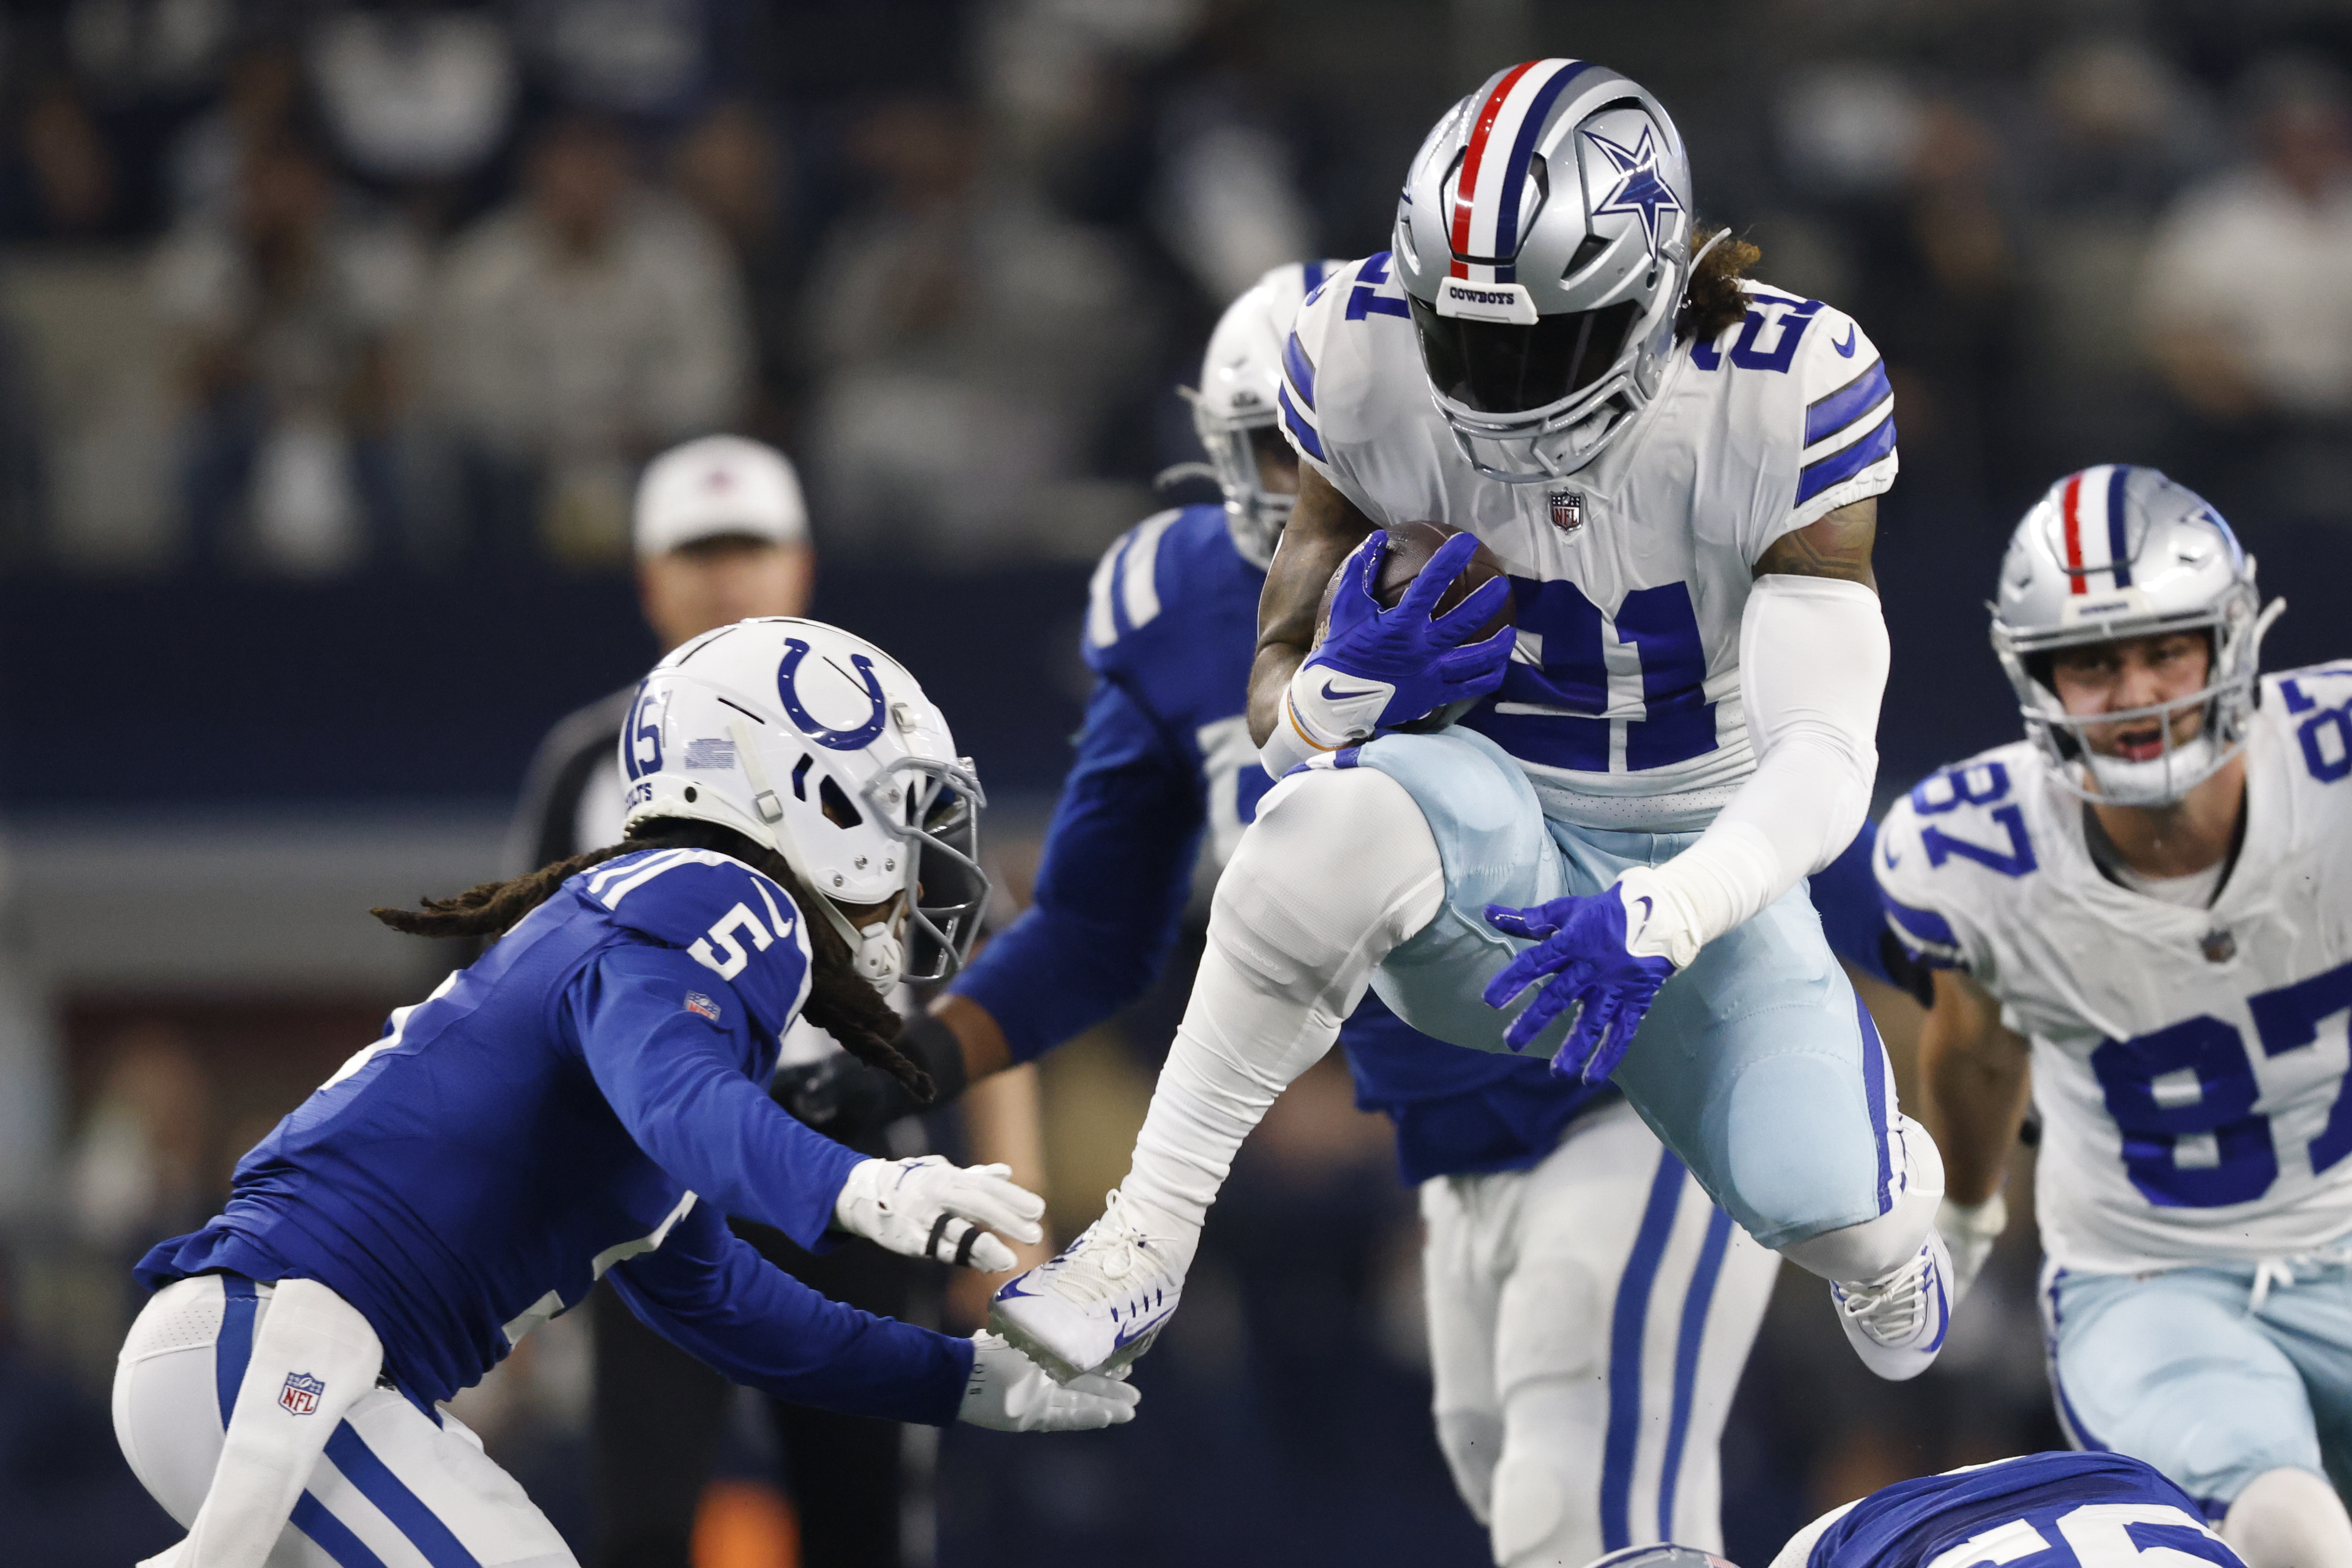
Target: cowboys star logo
x,y
1567,510
1639,190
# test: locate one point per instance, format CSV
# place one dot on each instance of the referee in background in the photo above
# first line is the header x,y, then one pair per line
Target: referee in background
x,y
721,533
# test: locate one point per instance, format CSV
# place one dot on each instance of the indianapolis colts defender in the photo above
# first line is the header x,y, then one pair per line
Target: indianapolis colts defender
x,y
586,1100
2092,1511
2139,917
1588,1309
1680,471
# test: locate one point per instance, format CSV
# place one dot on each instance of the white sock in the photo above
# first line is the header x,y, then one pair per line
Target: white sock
x,y
2289,1519
1339,868
307,1333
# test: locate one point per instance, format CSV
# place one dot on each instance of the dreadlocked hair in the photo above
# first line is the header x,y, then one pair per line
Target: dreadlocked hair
x,y
840,1002
1715,299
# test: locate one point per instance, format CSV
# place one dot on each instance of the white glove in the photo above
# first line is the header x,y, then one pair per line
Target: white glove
x,y
929,1208
1970,1229
1010,1393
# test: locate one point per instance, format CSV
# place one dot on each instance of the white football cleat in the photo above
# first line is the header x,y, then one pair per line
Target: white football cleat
x,y
1096,1305
1896,1324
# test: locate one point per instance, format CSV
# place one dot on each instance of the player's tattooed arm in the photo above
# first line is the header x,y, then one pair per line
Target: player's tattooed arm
x,y
1836,545
1324,527
1977,1076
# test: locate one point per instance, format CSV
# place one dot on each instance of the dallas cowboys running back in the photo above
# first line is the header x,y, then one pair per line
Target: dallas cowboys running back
x,y
1588,1309
586,1101
2146,900
1680,472
2095,1510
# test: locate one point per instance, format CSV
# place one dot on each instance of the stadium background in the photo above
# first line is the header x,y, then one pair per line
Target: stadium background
x,y
303,543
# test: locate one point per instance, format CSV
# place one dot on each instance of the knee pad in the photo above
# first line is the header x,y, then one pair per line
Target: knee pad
x,y
1878,1247
1537,1514
2288,1519
1471,1442
1339,868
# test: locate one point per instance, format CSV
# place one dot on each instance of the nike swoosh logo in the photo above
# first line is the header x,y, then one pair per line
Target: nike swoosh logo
x,y
1335,696
1846,348
1012,1288
1893,857
1644,902
1138,1329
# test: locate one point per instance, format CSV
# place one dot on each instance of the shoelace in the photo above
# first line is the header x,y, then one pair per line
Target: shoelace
x,y
1094,1268
2273,1272
1892,1308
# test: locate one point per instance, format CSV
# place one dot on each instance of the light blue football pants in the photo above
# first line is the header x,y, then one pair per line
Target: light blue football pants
x,y
1758,1065
2185,1370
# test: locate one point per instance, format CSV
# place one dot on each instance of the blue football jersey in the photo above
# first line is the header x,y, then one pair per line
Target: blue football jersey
x,y
587,1097
2093,1511
1165,761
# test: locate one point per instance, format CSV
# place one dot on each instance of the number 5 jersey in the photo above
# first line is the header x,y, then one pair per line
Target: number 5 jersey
x,y
2189,1058
1631,574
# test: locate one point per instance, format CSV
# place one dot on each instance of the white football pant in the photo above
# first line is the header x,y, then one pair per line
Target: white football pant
x,y
388,1484
1588,1322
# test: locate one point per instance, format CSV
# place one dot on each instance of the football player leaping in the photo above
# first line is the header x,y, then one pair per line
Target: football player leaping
x,y
2144,904
1681,473
1589,1309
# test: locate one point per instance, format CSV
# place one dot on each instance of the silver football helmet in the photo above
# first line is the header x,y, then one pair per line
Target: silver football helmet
x,y
1543,238
1241,376
2119,551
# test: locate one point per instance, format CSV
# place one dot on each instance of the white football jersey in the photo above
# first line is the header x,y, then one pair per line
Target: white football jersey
x,y
1622,698
2189,1064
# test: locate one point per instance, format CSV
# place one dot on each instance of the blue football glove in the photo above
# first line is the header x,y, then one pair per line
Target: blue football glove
x,y
1583,951
1380,669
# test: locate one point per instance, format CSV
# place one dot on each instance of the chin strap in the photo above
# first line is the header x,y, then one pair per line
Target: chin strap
x,y
879,955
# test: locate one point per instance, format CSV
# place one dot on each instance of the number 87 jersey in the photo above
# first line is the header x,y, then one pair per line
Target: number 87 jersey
x,y
2189,1063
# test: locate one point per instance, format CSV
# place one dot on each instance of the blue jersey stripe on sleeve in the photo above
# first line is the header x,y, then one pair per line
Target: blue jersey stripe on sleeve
x,y
1845,463
1307,438
1299,369
1833,411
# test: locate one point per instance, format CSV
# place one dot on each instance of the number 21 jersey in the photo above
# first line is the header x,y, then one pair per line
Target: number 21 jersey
x,y
1630,575
2189,1064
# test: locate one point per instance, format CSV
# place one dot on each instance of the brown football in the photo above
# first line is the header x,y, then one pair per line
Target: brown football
x,y
1410,547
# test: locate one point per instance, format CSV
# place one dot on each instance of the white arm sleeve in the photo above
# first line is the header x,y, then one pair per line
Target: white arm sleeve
x,y
1812,667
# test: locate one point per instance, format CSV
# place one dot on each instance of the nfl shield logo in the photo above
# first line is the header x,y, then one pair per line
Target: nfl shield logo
x,y
1567,510
701,1006
301,1394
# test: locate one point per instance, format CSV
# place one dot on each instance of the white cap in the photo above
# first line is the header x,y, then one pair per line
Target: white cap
x,y
719,485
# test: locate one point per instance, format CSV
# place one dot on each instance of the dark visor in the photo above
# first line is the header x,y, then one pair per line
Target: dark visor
x,y
1492,367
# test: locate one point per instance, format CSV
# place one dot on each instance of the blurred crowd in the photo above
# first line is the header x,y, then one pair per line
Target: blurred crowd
x,y
408,291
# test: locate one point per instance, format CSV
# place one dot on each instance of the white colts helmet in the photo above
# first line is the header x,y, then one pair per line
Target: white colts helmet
x,y
1543,238
1241,376
2118,551
820,746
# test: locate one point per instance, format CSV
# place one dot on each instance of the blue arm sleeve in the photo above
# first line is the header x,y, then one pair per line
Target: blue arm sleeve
x,y
1845,895
707,1292
1116,871
680,1083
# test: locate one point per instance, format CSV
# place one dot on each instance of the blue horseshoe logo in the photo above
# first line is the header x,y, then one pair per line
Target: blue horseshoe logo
x,y
833,739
